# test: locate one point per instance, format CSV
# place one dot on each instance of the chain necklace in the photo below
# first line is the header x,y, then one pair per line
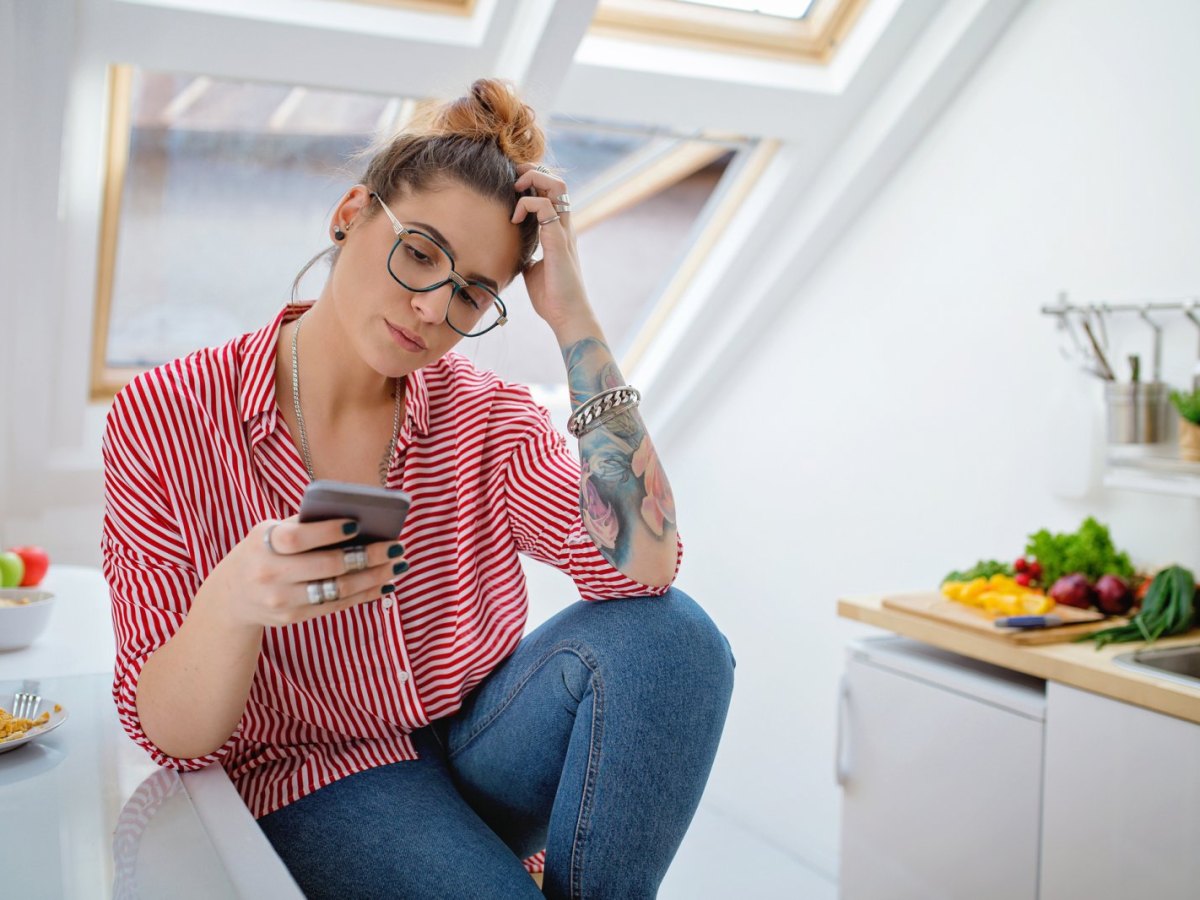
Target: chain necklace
x,y
384,464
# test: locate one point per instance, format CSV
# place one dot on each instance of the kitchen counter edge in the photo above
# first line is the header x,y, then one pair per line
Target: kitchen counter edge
x,y
1078,665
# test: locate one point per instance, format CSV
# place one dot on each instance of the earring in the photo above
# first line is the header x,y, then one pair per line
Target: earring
x,y
339,233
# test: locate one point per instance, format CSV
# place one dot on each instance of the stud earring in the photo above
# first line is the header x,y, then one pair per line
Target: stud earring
x,y
339,233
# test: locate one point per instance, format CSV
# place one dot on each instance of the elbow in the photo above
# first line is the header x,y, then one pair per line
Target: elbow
x,y
656,572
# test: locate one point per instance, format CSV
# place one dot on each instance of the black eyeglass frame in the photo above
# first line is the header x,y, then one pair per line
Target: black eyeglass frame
x,y
458,282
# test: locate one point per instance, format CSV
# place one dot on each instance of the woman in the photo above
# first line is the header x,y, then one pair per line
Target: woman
x,y
380,713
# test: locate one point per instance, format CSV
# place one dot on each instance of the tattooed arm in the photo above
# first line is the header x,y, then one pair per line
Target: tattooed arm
x,y
624,497
625,500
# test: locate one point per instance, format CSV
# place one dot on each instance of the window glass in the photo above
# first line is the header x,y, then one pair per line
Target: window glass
x,y
229,185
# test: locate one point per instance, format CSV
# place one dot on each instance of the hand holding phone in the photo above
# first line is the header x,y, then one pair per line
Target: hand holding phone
x,y
380,512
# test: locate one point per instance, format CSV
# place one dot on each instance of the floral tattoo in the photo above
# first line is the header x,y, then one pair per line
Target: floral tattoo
x,y
623,488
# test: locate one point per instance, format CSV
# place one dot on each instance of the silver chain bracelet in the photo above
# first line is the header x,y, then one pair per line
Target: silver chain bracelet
x,y
597,410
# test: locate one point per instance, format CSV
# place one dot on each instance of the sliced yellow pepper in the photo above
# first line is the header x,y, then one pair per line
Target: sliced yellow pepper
x,y
998,595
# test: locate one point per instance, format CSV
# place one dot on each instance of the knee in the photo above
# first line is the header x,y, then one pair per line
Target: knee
x,y
676,632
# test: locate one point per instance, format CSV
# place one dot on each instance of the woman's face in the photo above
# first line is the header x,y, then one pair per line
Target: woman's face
x,y
375,310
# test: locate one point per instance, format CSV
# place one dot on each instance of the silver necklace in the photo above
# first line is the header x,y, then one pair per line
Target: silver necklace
x,y
385,463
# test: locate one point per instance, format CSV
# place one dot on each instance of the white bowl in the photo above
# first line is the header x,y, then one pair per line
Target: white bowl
x,y
20,625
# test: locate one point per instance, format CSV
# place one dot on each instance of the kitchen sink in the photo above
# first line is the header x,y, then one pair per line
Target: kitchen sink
x,y
1180,664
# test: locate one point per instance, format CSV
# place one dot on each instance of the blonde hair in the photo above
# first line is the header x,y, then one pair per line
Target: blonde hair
x,y
476,140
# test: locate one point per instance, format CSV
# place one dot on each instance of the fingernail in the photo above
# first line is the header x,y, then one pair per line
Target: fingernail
x,y
399,567
395,550
387,589
350,528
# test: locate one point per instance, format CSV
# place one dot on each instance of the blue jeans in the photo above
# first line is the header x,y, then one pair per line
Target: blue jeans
x,y
593,739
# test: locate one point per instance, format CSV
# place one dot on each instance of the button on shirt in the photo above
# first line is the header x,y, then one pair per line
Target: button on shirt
x,y
196,453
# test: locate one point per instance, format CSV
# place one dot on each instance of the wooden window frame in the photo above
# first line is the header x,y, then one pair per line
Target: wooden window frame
x,y
813,39
727,207
465,8
106,380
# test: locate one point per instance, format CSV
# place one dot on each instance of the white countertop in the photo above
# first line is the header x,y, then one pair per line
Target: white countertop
x,y
85,813
78,639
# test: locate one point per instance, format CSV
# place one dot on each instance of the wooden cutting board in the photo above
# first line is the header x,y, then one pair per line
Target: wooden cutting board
x,y
933,605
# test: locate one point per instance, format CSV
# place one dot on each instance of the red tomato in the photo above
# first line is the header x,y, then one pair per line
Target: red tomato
x,y
1023,579
1035,569
1021,565
37,561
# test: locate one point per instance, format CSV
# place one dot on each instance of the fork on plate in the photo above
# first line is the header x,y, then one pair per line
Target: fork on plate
x,y
26,701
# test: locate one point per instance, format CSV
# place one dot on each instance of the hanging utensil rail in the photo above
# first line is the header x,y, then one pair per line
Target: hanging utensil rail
x,y
1189,306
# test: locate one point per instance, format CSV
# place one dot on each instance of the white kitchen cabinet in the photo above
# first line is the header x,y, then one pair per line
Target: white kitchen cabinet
x,y
1121,801
940,759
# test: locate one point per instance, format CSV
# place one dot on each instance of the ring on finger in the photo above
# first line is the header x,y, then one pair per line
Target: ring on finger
x,y
267,538
548,221
562,207
314,593
563,198
542,169
355,558
329,590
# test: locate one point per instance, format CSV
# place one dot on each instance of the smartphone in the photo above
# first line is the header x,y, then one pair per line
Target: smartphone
x,y
380,512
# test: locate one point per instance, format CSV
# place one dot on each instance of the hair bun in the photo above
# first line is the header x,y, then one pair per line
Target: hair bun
x,y
492,110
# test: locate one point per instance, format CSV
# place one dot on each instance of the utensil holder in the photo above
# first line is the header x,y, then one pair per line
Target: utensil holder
x,y
1136,412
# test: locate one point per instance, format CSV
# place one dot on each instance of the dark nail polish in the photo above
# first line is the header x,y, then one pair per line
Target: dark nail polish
x,y
399,567
387,589
350,528
395,550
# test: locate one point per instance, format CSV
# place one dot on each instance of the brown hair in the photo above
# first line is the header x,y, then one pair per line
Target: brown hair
x,y
476,140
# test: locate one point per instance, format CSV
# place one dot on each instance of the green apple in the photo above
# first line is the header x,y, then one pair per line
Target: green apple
x,y
12,569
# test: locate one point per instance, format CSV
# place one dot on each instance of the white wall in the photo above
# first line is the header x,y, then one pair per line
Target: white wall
x,y
892,424
901,418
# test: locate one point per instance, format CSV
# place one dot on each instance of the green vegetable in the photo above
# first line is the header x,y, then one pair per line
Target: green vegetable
x,y
1089,551
1188,405
985,568
1168,608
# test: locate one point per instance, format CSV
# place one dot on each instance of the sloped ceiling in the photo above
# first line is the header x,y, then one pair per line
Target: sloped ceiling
x,y
841,129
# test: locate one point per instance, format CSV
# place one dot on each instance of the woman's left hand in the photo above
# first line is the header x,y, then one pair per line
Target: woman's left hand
x,y
555,282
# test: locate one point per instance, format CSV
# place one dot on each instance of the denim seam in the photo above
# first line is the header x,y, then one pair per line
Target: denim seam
x,y
583,821
518,687
586,802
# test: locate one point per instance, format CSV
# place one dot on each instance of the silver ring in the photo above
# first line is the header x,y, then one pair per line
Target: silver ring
x,y
267,538
314,593
562,207
329,590
563,198
542,169
355,558
548,221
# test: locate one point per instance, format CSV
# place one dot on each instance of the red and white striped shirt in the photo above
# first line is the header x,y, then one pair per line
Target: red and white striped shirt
x,y
196,453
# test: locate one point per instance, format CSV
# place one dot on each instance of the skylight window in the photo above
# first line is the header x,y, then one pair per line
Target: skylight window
x,y
190,153
807,31
783,9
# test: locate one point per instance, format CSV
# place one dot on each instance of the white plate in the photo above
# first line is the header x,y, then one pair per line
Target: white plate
x,y
56,719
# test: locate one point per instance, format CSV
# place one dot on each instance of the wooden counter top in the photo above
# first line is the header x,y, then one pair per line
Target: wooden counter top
x,y
1079,665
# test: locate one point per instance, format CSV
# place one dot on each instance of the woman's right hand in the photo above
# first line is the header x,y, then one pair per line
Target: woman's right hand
x,y
267,584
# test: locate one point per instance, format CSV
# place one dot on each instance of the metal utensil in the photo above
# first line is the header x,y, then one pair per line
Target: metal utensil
x,y
1106,371
1189,310
26,701
1144,314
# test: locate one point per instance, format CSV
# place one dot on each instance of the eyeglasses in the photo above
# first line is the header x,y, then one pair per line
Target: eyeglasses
x,y
419,263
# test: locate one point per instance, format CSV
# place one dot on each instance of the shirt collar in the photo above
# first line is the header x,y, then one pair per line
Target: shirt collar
x,y
257,397
258,365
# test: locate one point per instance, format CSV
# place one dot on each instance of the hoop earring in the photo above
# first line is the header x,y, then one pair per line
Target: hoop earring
x,y
338,233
